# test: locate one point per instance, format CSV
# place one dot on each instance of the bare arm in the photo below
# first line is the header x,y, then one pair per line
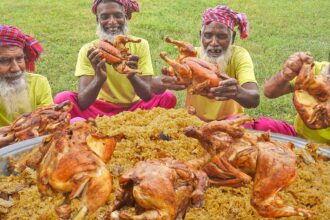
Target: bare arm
x,y
141,85
90,86
247,95
279,84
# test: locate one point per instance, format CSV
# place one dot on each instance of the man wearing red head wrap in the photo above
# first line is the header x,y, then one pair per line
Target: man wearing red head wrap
x,y
237,92
102,90
21,91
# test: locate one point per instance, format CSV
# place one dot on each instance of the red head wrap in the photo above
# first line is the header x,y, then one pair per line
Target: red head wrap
x,y
12,36
130,6
227,16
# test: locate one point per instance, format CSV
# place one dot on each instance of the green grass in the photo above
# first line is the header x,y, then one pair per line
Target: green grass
x,y
277,29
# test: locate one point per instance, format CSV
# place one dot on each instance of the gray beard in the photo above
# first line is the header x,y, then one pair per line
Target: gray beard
x,y
222,61
110,37
15,95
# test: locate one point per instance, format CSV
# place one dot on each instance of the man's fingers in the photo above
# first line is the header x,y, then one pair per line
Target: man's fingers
x,y
168,79
5,129
133,58
101,65
228,82
132,64
4,140
306,58
174,86
221,98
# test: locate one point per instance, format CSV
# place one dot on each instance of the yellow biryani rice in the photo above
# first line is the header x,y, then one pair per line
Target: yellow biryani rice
x,y
142,130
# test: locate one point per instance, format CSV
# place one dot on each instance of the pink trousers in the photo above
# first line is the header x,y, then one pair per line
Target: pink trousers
x,y
269,124
100,108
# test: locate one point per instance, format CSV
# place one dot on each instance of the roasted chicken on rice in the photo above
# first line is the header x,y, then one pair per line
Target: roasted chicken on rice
x,y
44,120
74,162
239,156
161,189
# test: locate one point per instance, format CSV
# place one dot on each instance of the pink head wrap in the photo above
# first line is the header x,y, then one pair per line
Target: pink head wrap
x,y
12,36
130,6
227,16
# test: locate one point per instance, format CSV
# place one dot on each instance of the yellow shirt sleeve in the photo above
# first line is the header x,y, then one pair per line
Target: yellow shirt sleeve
x,y
241,66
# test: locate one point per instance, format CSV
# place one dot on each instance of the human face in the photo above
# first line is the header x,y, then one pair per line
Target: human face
x,y
12,63
216,38
111,17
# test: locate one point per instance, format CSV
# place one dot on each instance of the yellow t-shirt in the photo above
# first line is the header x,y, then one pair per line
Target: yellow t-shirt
x,y
40,94
239,67
320,135
117,89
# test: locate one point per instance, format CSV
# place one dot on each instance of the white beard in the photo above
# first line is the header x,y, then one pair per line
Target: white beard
x,y
110,37
221,61
15,95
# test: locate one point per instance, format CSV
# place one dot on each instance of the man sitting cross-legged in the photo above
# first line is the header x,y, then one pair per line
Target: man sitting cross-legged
x,y
240,90
104,91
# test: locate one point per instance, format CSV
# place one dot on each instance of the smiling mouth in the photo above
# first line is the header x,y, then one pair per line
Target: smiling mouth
x,y
214,52
112,30
14,77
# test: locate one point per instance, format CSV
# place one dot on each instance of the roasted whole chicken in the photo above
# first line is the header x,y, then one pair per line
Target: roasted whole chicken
x,y
44,120
160,189
116,54
190,70
74,162
312,97
239,155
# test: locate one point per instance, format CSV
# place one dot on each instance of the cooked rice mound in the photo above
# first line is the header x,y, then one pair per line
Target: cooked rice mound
x,y
158,133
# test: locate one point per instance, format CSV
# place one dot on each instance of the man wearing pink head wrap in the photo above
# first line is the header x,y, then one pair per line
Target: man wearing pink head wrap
x,y
21,91
237,92
102,90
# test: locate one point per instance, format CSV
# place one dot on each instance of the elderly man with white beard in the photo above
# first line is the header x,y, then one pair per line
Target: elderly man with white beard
x,y
102,90
240,91
21,90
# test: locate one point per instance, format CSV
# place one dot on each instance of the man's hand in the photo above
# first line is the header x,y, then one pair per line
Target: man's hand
x,y
94,55
6,138
294,63
227,89
165,81
133,62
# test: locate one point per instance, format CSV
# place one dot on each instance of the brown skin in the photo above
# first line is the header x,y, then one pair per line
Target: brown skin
x,y
11,60
279,84
111,17
214,35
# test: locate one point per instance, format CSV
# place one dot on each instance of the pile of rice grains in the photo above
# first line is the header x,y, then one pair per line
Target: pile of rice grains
x,y
154,134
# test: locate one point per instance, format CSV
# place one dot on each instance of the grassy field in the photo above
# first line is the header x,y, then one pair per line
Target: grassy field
x,y
277,29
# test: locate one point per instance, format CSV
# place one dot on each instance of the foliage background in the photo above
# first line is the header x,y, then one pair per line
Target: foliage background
x,y
277,29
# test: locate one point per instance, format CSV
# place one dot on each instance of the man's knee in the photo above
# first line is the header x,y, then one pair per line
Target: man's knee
x,y
64,96
167,99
